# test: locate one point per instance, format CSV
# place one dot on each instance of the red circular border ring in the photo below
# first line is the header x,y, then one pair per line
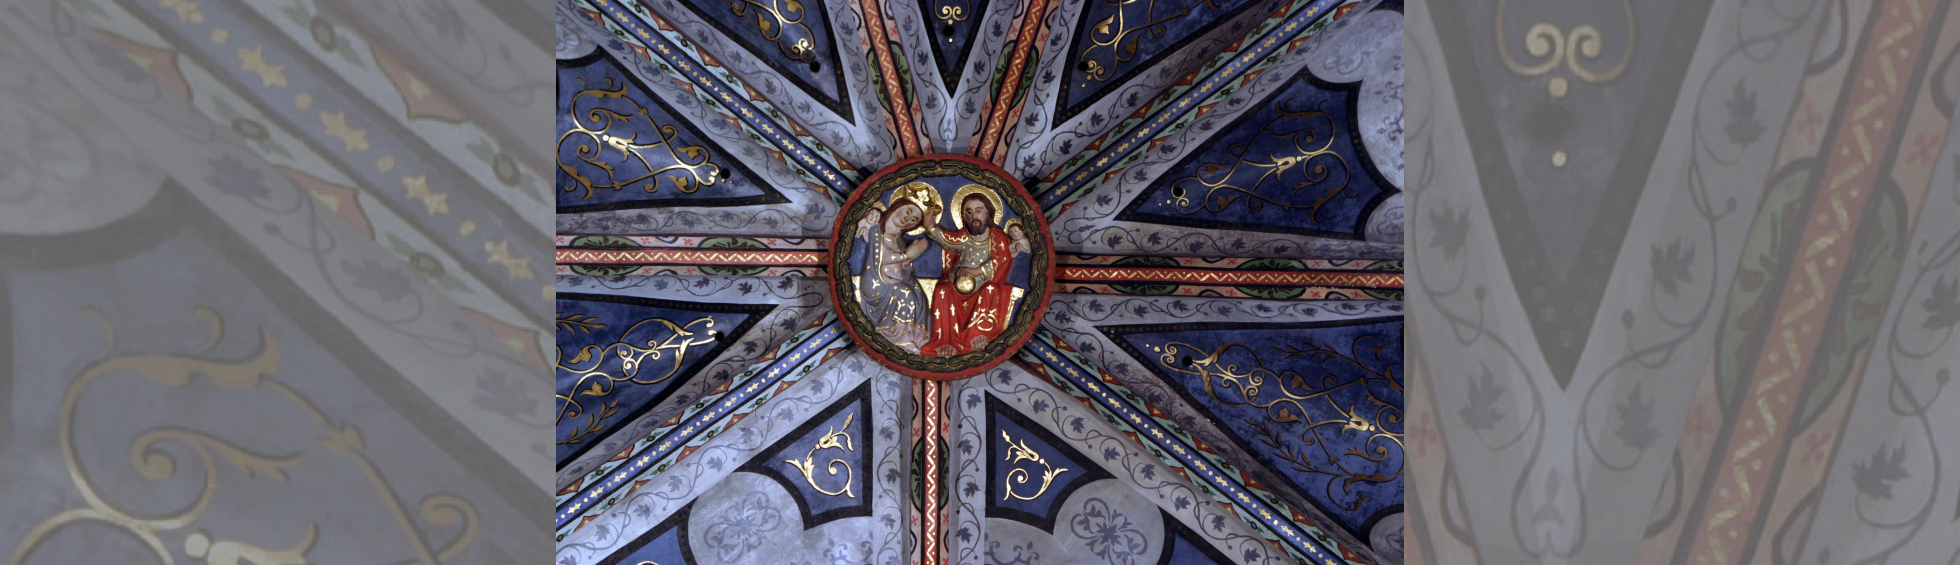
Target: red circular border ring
x,y
1040,221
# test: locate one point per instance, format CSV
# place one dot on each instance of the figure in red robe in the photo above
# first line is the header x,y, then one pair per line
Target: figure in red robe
x,y
972,300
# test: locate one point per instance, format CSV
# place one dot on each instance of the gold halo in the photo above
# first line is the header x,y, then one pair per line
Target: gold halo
x,y
920,194
992,198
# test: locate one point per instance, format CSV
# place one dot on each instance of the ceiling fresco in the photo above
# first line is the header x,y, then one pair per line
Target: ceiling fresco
x,y
979,281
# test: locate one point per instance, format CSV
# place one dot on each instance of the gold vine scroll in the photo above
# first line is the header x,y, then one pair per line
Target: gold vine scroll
x,y
686,167
597,382
1120,36
1016,453
835,438
774,19
1292,392
155,464
1307,156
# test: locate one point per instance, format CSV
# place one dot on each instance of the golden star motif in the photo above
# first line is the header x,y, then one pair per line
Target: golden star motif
x,y
418,188
336,123
254,61
187,10
500,254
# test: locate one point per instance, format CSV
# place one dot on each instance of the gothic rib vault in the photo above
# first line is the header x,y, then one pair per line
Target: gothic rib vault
x,y
1198,284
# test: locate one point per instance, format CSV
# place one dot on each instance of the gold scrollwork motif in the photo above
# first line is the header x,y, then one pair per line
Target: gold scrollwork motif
x,y
951,14
1215,180
1287,403
600,128
1120,36
774,18
599,382
1552,47
156,464
1016,453
835,438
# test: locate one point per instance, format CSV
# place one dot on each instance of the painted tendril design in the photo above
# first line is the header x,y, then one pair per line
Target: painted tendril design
x,y
1307,406
834,438
600,369
1018,452
206,454
774,18
1280,176
1120,36
603,128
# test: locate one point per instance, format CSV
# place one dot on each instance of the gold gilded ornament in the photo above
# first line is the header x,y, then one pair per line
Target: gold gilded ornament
x,y
832,439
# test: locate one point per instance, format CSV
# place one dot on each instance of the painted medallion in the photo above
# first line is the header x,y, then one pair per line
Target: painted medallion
x,y
942,266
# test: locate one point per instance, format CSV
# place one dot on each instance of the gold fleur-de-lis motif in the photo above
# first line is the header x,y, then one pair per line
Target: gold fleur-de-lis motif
x,y
1552,46
835,438
951,14
1016,453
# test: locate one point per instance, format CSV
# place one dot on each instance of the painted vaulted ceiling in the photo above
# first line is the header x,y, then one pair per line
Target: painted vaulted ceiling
x,y
272,296
1217,377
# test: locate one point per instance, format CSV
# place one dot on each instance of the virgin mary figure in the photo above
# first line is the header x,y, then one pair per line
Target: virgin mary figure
x,y
888,293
